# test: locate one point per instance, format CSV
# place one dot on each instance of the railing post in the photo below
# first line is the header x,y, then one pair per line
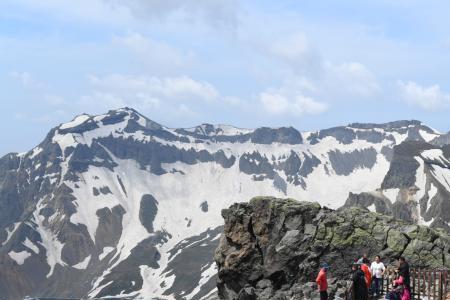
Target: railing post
x,y
385,281
440,286
418,288
434,284
424,283
445,283
429,285
413,277
388,282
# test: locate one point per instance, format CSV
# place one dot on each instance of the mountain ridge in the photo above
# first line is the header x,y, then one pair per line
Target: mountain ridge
x,y
122,206
208,128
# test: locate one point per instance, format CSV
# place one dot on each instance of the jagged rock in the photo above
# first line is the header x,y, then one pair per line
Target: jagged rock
x,y
272,248
380,203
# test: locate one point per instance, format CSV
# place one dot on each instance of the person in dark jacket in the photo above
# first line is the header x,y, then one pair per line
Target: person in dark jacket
x,y
359,283
403,270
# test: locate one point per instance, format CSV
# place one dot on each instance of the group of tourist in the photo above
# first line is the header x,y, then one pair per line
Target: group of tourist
x,y
367,279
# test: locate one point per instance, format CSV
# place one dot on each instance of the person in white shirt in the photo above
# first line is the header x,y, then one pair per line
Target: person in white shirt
x,y
377,269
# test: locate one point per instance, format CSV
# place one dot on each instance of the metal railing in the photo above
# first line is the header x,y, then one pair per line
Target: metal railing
x,y
431,284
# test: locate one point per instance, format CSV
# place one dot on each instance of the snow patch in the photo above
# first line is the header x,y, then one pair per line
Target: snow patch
x,y
421,180
424,223
116,130
435,154
427,136
35,152
106,251
19,257
225,130
431,193
50,241
64,140
75,122
10,233
391,194
399,138
29,244
442,175
83,265
231,130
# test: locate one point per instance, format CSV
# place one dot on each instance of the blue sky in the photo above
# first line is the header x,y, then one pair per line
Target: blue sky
x,y
307,64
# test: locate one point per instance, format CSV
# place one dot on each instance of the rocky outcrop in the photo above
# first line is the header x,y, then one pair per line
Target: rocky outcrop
x,y
374,200
271,248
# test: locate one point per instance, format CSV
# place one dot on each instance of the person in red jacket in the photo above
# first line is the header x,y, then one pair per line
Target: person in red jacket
x,y
367,273
322,282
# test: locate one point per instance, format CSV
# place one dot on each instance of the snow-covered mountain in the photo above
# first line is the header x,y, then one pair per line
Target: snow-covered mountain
x,y
118,205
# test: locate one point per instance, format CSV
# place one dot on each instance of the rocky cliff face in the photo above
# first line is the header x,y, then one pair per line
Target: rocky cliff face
x,y
271,248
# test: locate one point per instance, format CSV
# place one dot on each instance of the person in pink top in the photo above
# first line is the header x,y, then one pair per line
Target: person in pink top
x,y
400,291
322,282
405,294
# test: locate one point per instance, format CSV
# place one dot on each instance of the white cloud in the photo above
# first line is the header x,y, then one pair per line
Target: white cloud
x,y
233,101
337,82
351,78
54,100
81,10
51,116
289,100
305,65
217,13
172,95
427,97
155,89
274,103
296,51
158,55
26,80
105,101
184,111
44,118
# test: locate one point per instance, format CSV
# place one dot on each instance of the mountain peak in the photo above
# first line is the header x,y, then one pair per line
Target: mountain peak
x,y
86,122
126,110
